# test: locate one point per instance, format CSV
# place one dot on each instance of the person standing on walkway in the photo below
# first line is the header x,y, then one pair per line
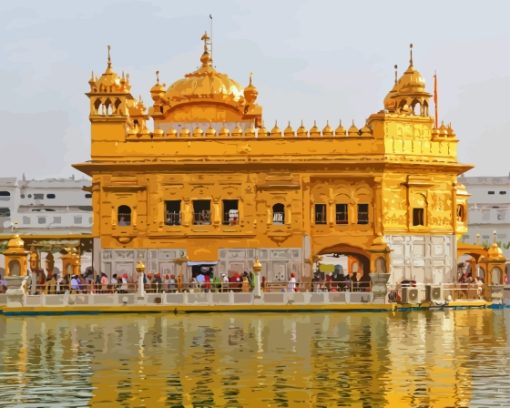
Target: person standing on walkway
x,y
292,282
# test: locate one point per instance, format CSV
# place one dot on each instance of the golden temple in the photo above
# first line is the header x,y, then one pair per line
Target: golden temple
x,y
211,185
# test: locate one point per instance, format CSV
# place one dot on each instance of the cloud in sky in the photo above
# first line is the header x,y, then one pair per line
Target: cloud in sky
x,y
323,60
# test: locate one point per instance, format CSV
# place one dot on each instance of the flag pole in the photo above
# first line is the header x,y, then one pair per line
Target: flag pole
x,y
211,43
435,101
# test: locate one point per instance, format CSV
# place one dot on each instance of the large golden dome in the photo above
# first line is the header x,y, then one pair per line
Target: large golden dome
x,y
205,84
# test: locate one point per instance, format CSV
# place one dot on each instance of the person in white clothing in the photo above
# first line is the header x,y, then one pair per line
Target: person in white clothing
x,y
292,282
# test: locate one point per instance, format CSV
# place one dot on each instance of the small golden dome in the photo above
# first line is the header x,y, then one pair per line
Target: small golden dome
x,y
262,131
15,242
275,131
390,104
250,92
328,130
314,130
109,80
366,131
184,132
237,131
158,90
224,132
451,132
171,132
249,131
197,132
92,80
301,131
443,132
158,132
340,131
495,251
288,131
140,105
353,130
210,132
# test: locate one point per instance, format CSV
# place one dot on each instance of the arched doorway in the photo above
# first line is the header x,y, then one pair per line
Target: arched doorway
x,y
342,267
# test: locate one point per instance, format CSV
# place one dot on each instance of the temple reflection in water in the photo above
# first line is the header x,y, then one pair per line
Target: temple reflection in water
x,y
421,359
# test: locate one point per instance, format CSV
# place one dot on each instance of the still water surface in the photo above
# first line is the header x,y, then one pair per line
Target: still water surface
x,y
417,359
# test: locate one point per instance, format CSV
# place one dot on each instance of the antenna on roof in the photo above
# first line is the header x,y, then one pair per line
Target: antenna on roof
x,y
210,41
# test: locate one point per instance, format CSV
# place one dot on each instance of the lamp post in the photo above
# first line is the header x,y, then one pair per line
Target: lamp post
x,y
257,267
140,268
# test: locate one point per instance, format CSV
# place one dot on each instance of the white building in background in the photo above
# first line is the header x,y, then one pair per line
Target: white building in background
x,y
49,206
489,210
45,207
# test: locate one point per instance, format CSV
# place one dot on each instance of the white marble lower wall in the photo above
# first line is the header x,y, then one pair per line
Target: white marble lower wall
x,y
277,264
424,258
122,261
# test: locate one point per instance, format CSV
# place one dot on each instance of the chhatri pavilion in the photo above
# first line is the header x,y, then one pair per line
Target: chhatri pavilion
x,y
211,186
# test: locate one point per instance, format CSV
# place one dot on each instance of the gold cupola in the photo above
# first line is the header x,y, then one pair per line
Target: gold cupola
x,y
207,84
408,95
340,131
314,130
158,90
288,131
275,131
301,131
205,95
328,130
390,103
250,92
109,81
353,130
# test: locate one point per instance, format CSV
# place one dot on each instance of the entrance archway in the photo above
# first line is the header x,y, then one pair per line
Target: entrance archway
x,y
349,268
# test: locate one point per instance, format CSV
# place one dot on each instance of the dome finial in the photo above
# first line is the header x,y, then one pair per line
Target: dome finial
x,y
251,79
205,39
396,72
411,54
205,58
157,77
109,64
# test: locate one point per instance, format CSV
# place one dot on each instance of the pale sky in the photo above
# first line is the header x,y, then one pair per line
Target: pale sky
x,y
311,59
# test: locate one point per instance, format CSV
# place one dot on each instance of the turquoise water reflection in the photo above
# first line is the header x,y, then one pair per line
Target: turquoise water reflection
x,y
444,358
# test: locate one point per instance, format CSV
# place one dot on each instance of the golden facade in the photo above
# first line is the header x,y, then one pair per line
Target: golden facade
x,y
212,184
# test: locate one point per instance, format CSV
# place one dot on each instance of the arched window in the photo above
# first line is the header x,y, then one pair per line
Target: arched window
x,y
124,216
416,107
419,210
278,214
460,213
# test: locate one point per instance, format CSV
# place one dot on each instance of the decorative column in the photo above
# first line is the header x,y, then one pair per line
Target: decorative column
x,y
34,268
257,267
67,261
140,268
379,275
76,264
50,265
